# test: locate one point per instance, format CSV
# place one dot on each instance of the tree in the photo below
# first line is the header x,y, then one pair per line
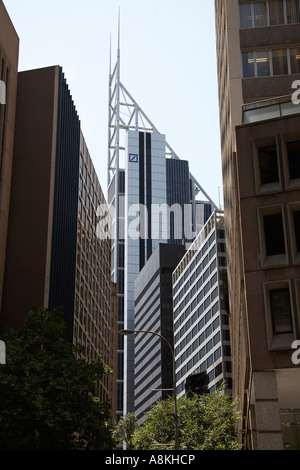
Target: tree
x,y
206,422
124,430
48,395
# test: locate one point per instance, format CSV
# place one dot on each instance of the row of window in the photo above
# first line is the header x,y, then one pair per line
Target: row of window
x,y
187,293
205,365
270,63
269,13
200,305
195,262
194,361
199,326
95,273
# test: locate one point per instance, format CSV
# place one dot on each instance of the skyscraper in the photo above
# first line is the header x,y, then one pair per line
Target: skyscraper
x,y
201,320
153,365
55,254
258,65
9,53
141,185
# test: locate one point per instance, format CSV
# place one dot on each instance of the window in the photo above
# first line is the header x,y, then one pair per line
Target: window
x,y
279,62
271,63
279,314
295,60
281,311
297,229
260,14
246,15
248,64
293,153
294,219
268,164
292,11
255,64
262,64
274,234
269,13
276,12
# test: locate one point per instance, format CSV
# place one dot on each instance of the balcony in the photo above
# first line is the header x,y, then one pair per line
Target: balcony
x,y
269,109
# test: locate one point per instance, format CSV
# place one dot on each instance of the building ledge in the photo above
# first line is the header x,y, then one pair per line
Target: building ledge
x,y
269,109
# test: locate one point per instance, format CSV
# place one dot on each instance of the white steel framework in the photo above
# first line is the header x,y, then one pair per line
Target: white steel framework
x,y
125,114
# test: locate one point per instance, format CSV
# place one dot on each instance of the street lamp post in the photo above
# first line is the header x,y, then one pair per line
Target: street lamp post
x,y
130,332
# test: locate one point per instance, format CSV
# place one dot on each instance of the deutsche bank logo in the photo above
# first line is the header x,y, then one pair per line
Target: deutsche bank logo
x,y
133,158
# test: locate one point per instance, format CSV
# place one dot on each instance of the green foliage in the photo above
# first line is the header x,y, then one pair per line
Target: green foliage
x,y
205,422
125,429
48,396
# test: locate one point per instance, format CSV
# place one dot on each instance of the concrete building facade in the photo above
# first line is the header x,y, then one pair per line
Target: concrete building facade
x,y
258,66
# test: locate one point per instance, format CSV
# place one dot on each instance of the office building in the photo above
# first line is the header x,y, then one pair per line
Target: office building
x,y
201,320
9,53
269,217
141,184
258,49
56,256
153,365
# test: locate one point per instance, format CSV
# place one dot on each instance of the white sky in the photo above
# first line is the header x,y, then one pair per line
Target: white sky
x,y
168,64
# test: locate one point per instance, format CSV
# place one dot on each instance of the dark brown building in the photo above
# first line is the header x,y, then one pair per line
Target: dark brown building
x,y
9,52
55,254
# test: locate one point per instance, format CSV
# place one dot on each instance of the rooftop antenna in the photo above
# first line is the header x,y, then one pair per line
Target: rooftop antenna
x,y
109,107
114,121
125,114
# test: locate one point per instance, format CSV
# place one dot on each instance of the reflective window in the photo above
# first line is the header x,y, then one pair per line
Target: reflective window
x,y
292,11
273,62
276,12
262,64
279,62
246,15
255,64
297,229
260,14
295,60
248,64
